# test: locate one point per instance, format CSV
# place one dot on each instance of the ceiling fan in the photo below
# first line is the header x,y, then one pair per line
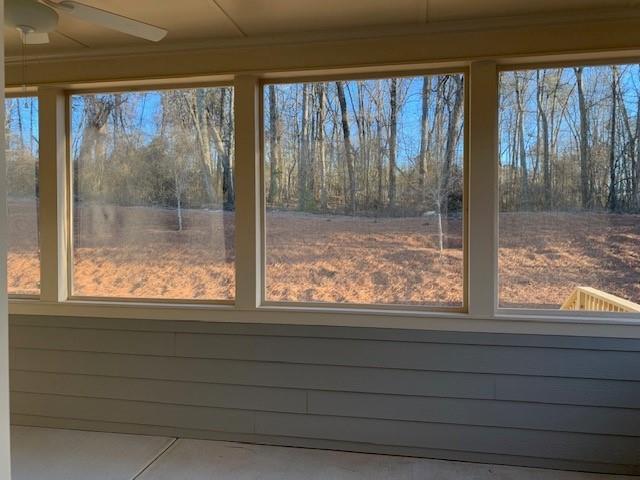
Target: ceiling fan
x,y
35,19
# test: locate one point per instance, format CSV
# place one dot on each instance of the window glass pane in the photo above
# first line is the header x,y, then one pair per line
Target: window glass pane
x,y
21,134
570,188
364,186
153,195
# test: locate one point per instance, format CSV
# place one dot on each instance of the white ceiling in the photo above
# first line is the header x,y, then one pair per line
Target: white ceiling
x,y
191,21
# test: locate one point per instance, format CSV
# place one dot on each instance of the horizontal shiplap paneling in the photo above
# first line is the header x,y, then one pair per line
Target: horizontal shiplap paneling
x,y
506,441
622,450
409,382
393,407
355,333
139,413
84,340
550,401
414,355
536,416
569,391
162,391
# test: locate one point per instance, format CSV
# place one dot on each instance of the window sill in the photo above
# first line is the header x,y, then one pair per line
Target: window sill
x,y
519,322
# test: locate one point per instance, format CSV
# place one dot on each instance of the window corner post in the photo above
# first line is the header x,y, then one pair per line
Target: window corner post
x,y
483,189
248,191
53,188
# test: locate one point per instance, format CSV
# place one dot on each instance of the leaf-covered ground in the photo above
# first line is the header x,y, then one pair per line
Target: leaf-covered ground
x,y
138,252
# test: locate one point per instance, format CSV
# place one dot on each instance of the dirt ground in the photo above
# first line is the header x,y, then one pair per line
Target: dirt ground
x,y
138,252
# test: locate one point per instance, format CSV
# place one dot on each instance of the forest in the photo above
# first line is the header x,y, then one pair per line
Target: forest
x,y
363,184
385,147
570,139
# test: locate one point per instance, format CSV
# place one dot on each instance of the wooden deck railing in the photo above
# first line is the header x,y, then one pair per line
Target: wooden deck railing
x,y
587,298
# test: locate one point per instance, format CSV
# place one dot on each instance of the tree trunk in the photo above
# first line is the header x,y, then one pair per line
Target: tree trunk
x,y
348,147
92,151
636,160
585,189
522,152
321,147
197,109
424,141
393,127
544,126
613,195
379,156
450,151
224,151
178,187
303,155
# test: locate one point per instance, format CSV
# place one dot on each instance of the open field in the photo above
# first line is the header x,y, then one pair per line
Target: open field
x,y
138,252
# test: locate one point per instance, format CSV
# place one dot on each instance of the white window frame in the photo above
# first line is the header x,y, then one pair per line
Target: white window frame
x,y
482,315
382,75
69,94
533,313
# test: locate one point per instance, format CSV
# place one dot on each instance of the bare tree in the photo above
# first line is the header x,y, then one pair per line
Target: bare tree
x,y
320,146
544,133
393,133
424,139
275,172
348,147
585,188
613,199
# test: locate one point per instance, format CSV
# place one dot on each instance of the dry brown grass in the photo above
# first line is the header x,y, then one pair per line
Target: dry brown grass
x,y
544,256
316,258
138,252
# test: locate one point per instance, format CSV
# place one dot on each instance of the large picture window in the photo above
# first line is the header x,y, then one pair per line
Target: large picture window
x,y
364,185
21,137
153,194
569,225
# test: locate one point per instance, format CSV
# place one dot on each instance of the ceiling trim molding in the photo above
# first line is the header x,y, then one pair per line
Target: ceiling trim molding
x,y
470,25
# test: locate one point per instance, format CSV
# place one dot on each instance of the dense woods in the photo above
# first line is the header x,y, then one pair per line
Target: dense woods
x,y
385,147
570,139
372,147
167,148
21,137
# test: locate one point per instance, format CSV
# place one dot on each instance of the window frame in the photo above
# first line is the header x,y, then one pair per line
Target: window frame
x,y
375,75
30,93
121,88
530,314
482,313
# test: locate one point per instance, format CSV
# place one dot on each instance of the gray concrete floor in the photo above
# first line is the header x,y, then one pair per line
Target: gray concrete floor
x,y
52,454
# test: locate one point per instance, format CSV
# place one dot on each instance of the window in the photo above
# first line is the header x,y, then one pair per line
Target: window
x,y
21,136
153,194
364,191
569,226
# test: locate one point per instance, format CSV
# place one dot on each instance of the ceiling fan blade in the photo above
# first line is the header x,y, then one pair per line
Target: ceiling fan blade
x,y
110,20
34,38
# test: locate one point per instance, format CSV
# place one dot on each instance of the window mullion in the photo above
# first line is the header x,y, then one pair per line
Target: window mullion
x,y
248,203
52,217
483,188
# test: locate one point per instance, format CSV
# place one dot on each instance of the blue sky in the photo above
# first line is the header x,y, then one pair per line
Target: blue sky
x,y
27,109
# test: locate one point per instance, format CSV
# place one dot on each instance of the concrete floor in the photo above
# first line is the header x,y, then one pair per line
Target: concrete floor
x,y
50,454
